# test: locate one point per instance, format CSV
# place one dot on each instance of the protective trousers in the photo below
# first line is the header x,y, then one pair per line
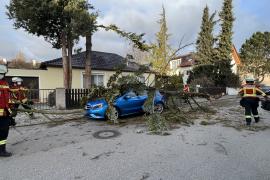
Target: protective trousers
x,y
4,130
251,108
25,106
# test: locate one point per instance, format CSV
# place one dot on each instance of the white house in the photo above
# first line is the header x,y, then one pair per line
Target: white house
x,y
104,65
184,64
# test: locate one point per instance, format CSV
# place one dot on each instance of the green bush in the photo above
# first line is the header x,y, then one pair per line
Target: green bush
x,y
218,74
171,83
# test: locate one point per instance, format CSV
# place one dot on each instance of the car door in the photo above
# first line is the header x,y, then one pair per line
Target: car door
x,y
130,103
142,97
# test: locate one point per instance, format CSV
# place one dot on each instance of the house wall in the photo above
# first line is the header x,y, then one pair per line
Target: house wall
x,y
266,80
234,67
183,71
53,77
108,74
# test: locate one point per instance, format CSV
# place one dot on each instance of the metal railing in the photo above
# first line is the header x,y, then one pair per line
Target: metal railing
x,y
73,97
42,99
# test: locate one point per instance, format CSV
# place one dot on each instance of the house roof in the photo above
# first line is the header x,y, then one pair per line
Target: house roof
x,y
188,60
235,56
99,61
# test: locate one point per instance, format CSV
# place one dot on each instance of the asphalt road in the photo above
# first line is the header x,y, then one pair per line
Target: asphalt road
x,y
211,152
70,151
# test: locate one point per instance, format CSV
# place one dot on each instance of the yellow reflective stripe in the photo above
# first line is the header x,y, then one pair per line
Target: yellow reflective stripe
x,y
4,87
260,91
3,142
14,90
248,117
245,91
1,112
24,89
256,116
250,95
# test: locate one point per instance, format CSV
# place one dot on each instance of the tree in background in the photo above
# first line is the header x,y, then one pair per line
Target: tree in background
x,y
255,55
85,24
52,20
224,49
161,52
206,40
218,67
62,22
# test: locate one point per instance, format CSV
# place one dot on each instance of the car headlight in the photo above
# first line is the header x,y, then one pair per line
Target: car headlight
x,y
86,107
97,106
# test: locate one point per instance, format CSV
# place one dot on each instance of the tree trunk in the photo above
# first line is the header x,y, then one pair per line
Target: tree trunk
x,y
65,60
70,47
88,61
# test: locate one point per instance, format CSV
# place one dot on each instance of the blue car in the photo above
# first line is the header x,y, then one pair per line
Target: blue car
x,y
127,104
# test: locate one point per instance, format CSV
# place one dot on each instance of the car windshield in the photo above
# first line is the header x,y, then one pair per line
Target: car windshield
x,y
142,93
131,94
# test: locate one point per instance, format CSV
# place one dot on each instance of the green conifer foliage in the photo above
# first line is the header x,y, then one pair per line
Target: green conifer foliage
x,y
205,41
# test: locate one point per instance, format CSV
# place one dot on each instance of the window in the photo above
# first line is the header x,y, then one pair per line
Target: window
x,y
174,64
96,79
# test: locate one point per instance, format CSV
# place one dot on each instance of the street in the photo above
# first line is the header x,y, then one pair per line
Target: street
x,y
70,151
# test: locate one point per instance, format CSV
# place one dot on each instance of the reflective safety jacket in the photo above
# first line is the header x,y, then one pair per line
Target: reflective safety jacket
x,y
4,98
251,91
19,94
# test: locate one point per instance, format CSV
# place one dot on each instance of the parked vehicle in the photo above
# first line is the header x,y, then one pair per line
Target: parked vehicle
x,y
126,104
266,90
266,103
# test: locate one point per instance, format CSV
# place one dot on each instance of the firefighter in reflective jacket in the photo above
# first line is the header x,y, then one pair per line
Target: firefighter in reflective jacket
x,y
19,95
250,100
5,119
186,88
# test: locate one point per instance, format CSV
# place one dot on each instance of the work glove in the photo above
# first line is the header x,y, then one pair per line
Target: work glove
x,y
14,113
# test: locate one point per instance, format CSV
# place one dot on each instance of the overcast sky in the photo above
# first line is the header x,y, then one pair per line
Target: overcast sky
x,y
141,16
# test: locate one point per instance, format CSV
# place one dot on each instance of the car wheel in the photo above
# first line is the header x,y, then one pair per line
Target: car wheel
x,y
159,108
113,114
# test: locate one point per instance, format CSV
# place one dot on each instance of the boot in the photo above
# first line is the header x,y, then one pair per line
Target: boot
x,y
3,152
248,120
257,119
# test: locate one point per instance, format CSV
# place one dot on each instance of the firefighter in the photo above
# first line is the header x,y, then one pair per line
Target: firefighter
x,y
19,96
250,100
5,119
186,88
